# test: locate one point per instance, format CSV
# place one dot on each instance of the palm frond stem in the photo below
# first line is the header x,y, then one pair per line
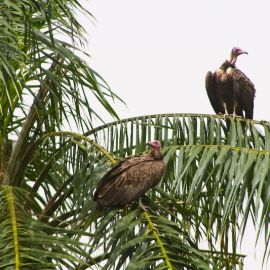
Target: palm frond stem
x,y
130,119
220,146
155,232
12,212
75,135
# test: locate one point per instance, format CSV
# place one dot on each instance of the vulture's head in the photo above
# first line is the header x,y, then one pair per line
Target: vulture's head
x,y
235,53
154,144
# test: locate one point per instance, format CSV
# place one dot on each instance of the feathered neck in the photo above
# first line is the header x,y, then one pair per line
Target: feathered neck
x,y
226,65
156,154
233,59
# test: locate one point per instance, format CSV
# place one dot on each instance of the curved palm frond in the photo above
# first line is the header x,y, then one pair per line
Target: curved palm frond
x,y
214,181
26,242
204,191
218,168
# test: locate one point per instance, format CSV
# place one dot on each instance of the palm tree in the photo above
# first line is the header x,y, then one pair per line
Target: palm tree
x,y
216,171
217,178
45,87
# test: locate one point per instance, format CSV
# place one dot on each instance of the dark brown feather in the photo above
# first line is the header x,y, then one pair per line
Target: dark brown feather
x,y
128,180
210,85
245,92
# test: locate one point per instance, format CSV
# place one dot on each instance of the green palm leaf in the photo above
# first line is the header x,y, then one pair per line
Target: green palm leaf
x,y
217,170
40,62
217,173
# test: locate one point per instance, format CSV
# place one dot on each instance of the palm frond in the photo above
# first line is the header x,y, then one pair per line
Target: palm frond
x,y
30,245
42,60
218,168
214,181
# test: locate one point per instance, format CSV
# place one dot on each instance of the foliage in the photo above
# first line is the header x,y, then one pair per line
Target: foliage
x,y
214,181
44,84
216,170
216,177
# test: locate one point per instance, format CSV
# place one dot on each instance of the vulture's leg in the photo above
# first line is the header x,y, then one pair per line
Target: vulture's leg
x,y
125,210
234,114
142,205
226,112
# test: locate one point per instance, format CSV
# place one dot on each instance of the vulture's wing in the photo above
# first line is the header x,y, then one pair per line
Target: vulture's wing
x,y
109,178
245,90
210,85
128,181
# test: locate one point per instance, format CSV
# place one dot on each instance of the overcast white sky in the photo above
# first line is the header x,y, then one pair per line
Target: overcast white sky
x,y
155,53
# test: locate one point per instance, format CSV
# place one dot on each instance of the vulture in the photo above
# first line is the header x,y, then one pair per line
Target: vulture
x,y
129,179
229,90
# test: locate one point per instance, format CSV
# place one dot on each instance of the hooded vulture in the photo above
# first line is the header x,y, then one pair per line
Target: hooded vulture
x,y
229,90
130,179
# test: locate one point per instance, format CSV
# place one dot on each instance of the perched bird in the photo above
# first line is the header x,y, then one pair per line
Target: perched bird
x,y
130,179
229,90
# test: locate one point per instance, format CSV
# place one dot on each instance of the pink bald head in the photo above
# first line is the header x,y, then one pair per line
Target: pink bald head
x,y
237,51
155,144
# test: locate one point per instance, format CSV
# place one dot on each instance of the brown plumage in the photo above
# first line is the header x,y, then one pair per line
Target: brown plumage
x,y
130,179
229,90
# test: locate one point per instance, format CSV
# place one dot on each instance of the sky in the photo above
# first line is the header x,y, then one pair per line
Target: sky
x,y
155,54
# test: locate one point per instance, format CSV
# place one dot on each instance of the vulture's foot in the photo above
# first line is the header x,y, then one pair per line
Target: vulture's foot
x,y
144,207
125,209
226,115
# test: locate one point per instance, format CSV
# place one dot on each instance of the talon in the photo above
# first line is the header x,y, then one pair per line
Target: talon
x,y
143,206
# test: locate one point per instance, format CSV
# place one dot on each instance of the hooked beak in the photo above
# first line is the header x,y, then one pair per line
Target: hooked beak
x,y
150,144
243,52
